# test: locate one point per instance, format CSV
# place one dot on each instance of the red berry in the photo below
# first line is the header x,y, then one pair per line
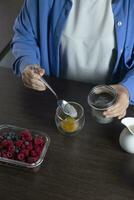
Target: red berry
x,y
36,158
20,156
10,143
11,149
33,153
23,146
19,143
25,152
4,154
38,140
30,160
26,135
29,147
4,143
9,154
38,149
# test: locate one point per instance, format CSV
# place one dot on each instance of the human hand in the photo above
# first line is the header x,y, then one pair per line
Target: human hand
x,y
31,78
120,107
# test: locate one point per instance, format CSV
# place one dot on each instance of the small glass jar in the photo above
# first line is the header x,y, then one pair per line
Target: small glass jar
x,y
100,98
68,125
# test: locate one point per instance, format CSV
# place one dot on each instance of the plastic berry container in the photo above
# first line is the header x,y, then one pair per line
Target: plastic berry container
x,y
22,147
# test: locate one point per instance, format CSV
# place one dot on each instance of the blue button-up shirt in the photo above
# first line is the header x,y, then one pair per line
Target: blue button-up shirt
x,y
38,30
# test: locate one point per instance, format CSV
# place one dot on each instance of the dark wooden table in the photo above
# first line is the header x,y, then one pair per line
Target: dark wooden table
x,y
89,166
8,12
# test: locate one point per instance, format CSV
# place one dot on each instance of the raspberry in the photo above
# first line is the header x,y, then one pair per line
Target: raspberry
x,y
33,153
38,140
30,160
1,145
3,154
38,150
10,143
29,147
26,135
20,156
29,138
4,143
36,158
23,146
9,154
19,143
25,152
11,149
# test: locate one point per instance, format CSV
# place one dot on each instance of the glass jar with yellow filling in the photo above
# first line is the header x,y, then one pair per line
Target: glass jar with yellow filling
x,y
67,124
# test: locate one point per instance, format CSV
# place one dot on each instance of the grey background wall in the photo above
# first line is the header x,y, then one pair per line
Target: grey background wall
x,y
7,60
9,9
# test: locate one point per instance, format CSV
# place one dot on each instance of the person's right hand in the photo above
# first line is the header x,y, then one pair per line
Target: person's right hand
x,y
31,77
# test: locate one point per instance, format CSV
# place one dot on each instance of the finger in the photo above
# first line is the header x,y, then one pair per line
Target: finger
x,y
119,109
117,113
26,76
118,104
114,109
35,87
31,73
38,70
123,115
29,77
34,83
41,72
38,85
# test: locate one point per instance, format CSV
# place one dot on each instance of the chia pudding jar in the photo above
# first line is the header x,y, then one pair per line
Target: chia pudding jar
x,y
100,98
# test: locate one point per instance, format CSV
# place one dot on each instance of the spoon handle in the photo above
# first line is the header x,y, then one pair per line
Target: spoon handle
x,y
49,87
46,83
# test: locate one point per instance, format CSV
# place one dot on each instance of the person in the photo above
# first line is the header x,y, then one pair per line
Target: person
x,y
90,41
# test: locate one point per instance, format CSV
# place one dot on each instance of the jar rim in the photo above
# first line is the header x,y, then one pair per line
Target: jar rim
x,y
96,91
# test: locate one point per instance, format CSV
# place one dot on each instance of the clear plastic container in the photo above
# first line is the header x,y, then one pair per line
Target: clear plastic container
x,y
8,146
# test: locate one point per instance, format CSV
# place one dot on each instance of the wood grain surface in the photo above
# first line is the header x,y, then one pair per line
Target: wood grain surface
x,y
89,166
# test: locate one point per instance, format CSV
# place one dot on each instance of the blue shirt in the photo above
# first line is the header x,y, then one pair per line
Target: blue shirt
x,y
38,30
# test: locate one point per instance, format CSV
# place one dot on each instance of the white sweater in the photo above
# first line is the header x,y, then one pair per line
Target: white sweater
x,y
87,41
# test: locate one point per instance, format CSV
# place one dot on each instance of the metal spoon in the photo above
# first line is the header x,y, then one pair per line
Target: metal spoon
x,y
67,108
129,123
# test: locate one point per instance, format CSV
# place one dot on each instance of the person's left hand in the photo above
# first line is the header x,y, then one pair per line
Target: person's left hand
x,y
120,107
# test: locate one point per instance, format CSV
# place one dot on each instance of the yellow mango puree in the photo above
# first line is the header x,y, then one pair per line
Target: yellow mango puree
x,y
69,125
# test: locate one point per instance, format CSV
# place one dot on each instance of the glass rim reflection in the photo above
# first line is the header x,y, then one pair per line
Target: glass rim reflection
x,y
74,103
98,90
